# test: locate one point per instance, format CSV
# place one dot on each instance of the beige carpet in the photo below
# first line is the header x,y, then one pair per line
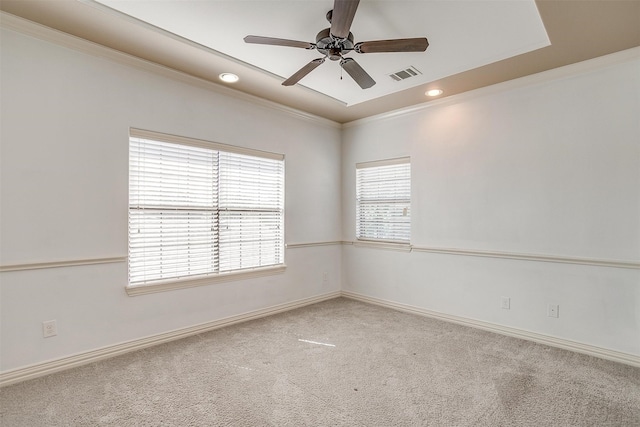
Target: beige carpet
x,y
337,363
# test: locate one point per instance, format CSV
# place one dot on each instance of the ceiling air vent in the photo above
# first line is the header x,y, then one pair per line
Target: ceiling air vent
x,y
405,74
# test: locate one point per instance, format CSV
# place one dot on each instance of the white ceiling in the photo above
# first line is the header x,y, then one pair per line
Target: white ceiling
x,y
579,30
463,35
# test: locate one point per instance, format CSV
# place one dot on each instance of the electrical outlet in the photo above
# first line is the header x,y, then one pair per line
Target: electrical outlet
x,y
49,328
324,278
506,303
552,310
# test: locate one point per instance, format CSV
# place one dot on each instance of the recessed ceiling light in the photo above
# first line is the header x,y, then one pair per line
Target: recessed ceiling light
x,y
229,77
433,92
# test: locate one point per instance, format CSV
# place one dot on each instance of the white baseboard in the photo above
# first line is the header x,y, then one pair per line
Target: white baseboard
x,y
603,353
49,367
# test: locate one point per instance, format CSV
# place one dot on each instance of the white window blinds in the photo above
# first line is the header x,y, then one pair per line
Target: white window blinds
x,y
251,211
383,200
197,211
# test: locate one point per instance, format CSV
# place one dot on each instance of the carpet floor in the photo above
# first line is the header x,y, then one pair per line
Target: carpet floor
x,y
336,363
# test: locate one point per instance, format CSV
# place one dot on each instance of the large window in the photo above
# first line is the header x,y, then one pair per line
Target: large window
x,y
198,209
383,200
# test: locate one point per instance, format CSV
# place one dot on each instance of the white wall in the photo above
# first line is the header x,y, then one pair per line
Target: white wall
x,y
549,168
549,165
64,176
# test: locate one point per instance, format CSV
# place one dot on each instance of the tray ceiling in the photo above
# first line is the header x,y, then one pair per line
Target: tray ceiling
x,y
577,29
463,35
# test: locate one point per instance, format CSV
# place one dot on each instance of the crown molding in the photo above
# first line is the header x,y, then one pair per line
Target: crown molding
x,y
589,65
41,32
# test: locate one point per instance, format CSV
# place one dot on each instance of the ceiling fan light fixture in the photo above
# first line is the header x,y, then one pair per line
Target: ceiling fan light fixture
x,y
434,92
337,41
229,77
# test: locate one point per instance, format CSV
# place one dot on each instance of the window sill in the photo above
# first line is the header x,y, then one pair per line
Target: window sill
x,y
395,246
171,285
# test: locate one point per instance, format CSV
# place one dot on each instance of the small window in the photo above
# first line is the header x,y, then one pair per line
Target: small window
x,y
199,209
383,200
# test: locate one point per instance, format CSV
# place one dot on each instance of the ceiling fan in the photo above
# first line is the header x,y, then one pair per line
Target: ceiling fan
x,y
337,41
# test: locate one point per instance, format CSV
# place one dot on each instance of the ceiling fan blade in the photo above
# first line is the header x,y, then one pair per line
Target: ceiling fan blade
x,y
342,17
398,45
278,42
298,75
357,73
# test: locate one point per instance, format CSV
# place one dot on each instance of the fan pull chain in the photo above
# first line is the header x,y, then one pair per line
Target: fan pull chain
x,y
341,68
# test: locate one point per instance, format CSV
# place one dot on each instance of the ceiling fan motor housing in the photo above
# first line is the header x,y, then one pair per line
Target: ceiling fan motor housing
x,y
331,46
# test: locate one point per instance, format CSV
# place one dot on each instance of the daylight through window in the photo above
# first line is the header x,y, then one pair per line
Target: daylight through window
x,y
199,208
383,200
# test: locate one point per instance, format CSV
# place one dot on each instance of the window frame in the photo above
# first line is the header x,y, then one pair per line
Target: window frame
x,y
160,285
382,241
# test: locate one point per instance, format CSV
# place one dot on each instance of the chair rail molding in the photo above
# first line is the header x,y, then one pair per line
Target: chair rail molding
x,y
58,264
634,265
